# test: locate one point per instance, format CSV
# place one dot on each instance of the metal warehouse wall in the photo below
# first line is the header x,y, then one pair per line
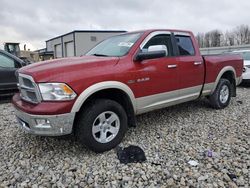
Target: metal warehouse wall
x,y
50,44
66,39
59,41
77,43
220,50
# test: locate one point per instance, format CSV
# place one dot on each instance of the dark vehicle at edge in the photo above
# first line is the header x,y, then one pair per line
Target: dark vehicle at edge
x,y
8,66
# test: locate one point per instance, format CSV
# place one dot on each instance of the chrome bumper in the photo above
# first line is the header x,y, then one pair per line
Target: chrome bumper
x,y
45,125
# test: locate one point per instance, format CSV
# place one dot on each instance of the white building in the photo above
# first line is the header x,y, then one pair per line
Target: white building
x,y
77,42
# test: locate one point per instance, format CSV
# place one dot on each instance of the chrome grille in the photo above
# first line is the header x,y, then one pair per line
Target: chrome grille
x,y
28,89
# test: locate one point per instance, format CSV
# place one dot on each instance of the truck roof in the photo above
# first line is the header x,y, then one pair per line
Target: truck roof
x,y
170,30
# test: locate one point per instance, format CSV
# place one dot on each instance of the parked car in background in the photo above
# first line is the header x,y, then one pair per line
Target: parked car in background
x,y
246,70
8,66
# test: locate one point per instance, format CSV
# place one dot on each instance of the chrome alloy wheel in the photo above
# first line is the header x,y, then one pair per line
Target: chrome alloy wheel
x,y
105,127
224,94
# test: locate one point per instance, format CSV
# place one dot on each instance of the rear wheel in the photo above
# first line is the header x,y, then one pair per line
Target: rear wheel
x,y
102,125
222,94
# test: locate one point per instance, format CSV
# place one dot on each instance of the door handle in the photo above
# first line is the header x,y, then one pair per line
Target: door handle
x,y
172,66
198,63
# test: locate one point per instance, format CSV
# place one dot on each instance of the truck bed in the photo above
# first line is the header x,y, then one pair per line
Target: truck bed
x,y
215,63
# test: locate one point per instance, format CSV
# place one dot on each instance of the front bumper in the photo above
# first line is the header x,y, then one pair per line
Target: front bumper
x,y
46,125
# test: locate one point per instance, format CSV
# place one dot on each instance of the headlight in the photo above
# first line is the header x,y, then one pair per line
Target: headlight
x,y
56,91
248,66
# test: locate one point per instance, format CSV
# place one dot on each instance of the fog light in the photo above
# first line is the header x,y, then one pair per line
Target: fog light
x,y
43,123
244,69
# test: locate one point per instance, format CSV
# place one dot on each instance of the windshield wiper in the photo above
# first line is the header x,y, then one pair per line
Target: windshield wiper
x,y
101,55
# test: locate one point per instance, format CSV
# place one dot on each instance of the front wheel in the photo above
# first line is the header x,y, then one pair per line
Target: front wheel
x,y
222,94
102,125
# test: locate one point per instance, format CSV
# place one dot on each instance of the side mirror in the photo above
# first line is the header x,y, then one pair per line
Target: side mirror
x,y
155,51
149,55
158,48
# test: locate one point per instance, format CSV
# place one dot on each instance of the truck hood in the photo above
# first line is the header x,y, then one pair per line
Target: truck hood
x,y
56,70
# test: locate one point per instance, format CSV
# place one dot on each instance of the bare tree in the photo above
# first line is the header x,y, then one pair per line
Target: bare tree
x,y
242,34
207,40
201,39
229,38
215,37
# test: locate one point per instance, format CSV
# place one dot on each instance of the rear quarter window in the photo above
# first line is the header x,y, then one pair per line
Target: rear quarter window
x,y
185,45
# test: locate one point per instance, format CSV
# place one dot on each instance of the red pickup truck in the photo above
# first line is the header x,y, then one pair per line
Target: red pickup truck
x,y
97,96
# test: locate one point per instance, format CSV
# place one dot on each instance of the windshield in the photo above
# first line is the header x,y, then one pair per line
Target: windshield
x,y
115,46
245,55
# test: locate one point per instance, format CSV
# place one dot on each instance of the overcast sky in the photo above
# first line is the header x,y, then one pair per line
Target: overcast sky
x,y
33,22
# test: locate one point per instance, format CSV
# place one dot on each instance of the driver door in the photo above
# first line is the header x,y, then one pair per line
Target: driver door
x,y
157,79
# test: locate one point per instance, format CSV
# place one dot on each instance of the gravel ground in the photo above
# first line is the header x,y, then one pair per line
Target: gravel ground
x,y
170,137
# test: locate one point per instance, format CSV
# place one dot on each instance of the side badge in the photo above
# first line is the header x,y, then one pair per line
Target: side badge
x,y
138,80
131,81
143,79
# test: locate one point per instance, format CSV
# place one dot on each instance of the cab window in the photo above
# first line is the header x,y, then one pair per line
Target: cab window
x,y
185,45
162,39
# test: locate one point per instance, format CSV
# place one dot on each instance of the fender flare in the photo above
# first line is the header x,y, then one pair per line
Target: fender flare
x,y
222,71
101,86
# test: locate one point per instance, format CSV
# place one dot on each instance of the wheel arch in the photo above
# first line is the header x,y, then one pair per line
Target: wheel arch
x,y
229,73
113,90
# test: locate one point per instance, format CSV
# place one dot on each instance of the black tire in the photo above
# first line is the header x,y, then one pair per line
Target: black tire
x,y
83,128
215,100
